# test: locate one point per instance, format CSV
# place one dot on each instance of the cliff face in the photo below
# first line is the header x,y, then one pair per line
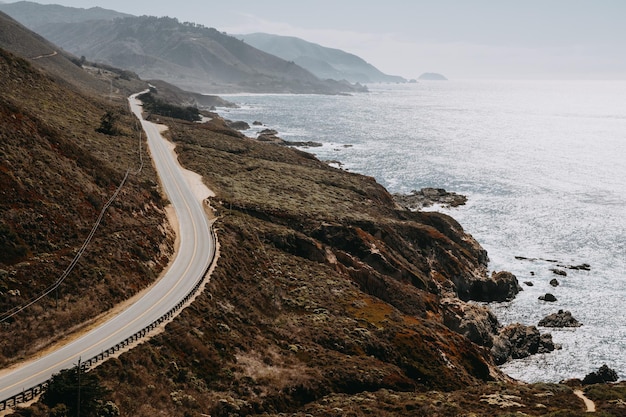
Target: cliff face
x,y
323,286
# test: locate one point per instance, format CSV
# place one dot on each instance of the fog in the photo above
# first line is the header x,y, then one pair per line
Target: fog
x,y
531,39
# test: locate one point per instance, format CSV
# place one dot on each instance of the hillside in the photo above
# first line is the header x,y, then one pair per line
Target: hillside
x,y
56,173
187,55
34,14
328,298
19,40
322,61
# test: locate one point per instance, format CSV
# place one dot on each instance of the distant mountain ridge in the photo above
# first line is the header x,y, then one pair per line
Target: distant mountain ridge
x,y
188,55
324,62
19,40
33,14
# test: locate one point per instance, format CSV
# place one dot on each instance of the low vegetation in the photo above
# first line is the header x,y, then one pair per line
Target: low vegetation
x,y
56,173
326,299
153,104
322,304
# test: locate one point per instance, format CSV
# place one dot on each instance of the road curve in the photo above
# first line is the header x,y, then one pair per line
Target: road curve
x,y
195,254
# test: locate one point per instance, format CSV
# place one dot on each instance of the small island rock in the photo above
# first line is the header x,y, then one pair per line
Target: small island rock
x,y
432,76
560,319
602,375
548,297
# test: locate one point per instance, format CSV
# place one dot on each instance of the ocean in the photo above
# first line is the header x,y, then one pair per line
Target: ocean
x,y
543,164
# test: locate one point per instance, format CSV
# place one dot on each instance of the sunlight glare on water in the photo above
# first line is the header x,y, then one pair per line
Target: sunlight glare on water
x,y
543,165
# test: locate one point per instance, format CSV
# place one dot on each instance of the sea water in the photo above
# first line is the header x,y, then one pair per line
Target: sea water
x,y
543,164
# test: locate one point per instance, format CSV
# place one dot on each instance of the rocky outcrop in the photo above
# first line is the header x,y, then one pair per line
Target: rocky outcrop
x,y
501,286
237,125
427,197
602,375
548,297
473,321
271,136
518,341
560,319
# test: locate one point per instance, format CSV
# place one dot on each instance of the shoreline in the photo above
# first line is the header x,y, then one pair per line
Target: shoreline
x,y
582,370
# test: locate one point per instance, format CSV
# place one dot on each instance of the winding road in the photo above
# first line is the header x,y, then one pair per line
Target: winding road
x,y
195,254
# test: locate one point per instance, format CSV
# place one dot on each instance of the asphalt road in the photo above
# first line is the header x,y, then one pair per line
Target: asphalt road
x,y
196,251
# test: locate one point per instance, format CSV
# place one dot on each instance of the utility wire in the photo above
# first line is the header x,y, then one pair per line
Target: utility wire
x,y
18,309
59,281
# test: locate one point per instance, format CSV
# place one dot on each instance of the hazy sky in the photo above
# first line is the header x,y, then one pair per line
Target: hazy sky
x,y
458,38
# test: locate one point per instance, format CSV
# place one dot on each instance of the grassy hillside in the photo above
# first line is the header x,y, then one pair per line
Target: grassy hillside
x,y
327,300
185,54
56,173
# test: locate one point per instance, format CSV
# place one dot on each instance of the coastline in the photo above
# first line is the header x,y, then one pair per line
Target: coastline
x,y
506,343
522,207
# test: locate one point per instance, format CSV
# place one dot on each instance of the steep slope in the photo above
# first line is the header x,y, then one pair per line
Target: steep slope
x,y
185,54
326,298
323,287
16,38
321,61
56,173
34,14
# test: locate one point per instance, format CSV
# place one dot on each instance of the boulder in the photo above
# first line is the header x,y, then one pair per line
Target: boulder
x,y
473,321
238,125
601,376
529,283
518,341
560,319
554,282
501,286
269,135
548,297
558,272
428,196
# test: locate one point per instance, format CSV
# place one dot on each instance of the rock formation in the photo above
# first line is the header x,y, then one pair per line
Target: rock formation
x,y
560,319
500,286
548,297
432,76
602,375
518,341
427,197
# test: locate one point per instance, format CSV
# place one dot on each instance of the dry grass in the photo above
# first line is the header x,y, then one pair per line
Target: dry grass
x,y
56,172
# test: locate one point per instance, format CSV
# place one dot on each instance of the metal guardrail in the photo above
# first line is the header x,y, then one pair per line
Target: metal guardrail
x,y
31,393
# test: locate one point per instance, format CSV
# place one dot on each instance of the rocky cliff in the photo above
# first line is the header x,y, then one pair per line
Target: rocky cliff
x,y
324,287
328,298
